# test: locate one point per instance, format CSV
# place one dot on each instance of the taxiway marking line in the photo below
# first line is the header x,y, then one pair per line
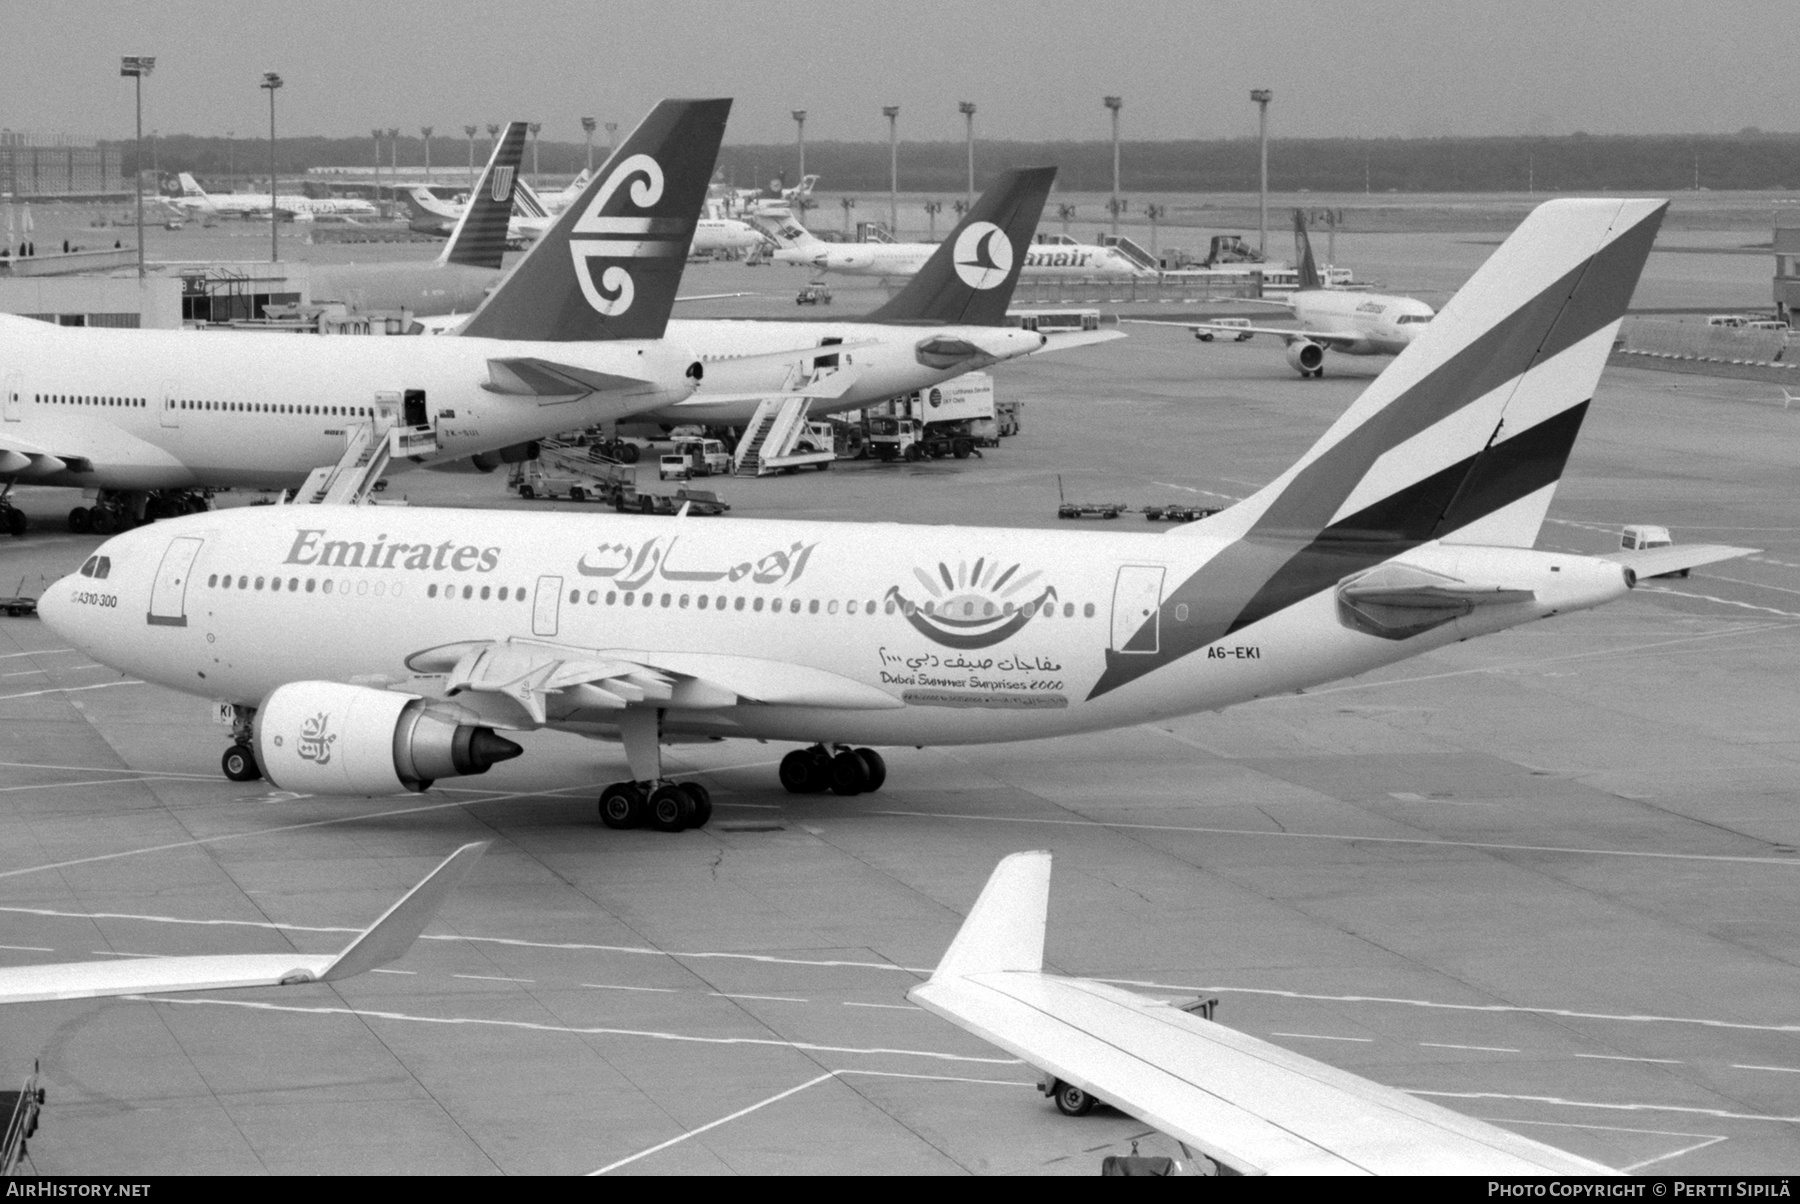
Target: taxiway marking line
x,y
492,978
1623,1058
105,685
41,652
1768,610
1780,589
1788,862
1522,1009
1780,1069
1324,1037
572,1030
893,1007
723,1120
28,948
381,971
1480,1048
198,777
43,672
770,998
89,782
1707,1139
1687,1109
613,986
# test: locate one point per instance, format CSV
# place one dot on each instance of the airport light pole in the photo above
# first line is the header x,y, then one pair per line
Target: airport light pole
x,y
393,161
612,138
137,67
271,82
376,135
849,203
588,125
1262,97
1115,103
493,140
967,109
470,131
230,153
932,209
1154,212
800,127
892,113
425,134
535,127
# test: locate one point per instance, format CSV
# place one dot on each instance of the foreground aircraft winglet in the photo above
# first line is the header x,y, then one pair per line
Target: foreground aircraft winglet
x,y
611,265
383,941
969,279
1251,1106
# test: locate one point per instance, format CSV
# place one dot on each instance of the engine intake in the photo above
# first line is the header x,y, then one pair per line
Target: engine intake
x,y
322,737
1304,356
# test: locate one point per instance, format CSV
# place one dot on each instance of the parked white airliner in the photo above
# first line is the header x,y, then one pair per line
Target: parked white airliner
x,y
1342,320
196,199
372,650
573,337
798,245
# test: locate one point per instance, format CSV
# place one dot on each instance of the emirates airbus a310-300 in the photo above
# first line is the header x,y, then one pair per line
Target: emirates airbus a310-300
x,y
365,650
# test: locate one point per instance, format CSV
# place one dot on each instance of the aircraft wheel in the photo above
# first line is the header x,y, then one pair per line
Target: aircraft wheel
x,y
1072,1100
849,776
102,522
621,806
628,453
670,809
15,521
701,798
876,766
81,520
239,764
806,771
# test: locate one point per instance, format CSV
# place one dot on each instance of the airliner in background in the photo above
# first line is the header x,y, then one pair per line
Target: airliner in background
x,y
574,336
1347,321
411,638
429,215
196,199
798,245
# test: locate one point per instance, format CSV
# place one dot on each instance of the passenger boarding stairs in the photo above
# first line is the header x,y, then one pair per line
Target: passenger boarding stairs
x,y
774,429
367,453
1132,251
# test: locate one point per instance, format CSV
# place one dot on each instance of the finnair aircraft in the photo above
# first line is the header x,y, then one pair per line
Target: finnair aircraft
x,y
1353,323
573,337
196,199
798,245
410,638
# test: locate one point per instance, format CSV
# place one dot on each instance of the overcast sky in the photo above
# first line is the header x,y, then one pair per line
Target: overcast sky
x,y
1036,70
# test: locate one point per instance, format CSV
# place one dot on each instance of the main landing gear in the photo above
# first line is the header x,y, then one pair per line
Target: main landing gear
x,y
651,800
12,519
239,762
844,771
121,510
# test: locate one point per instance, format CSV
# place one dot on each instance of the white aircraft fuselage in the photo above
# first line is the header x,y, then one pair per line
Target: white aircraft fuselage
x,y
1386,325
166,409
904,259
932,634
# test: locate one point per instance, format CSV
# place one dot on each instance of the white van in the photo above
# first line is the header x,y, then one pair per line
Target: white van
x,y
1729,320
1640,536
1224,326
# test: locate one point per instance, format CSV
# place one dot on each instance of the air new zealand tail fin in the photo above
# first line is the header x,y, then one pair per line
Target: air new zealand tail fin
x,y
479,239
1303,253
610,266
969,279
1461,440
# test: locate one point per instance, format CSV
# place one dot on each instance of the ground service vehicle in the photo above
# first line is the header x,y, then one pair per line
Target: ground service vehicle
x,y
1205,334
696,458
1641,536
895,438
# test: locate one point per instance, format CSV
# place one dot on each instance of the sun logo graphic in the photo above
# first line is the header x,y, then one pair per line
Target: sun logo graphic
x,y
501,186
615,237
983,255
974,605
315,742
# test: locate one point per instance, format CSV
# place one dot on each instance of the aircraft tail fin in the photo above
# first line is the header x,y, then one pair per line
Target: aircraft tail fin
x,y
783,228
479,239
1005,928
1303,254
969,279
190,186
609,268
528,201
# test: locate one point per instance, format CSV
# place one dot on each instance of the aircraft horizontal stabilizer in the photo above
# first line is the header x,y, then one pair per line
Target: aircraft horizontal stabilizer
x,y
1655,562
528,376
1063,340
385,940
1252,1106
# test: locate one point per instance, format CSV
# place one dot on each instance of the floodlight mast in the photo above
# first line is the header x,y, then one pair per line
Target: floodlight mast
x,y
137,68
800,128
271,82
892,113
588,126
1115,103
1262,97
967,109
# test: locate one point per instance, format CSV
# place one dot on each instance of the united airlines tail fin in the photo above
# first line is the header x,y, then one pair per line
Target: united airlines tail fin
x,y
610,266
1303,254
969,279
479,238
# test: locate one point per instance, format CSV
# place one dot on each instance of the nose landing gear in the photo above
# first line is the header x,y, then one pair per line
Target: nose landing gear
x,y
239,761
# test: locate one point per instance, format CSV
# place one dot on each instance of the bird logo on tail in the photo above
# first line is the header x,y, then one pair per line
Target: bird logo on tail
x,y
983,256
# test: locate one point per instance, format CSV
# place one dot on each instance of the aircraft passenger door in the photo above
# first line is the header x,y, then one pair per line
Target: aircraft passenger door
x,y
546,606
414,402
171,412
1137,608
168,597
15,397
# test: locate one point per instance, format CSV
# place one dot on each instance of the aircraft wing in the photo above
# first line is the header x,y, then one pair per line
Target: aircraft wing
x,y
1327,338
1655,562
552,683
713,296
382,942
1063,340
1250,1105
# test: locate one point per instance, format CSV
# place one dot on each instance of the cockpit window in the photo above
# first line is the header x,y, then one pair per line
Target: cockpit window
x,y
102,567
1409,319
87,570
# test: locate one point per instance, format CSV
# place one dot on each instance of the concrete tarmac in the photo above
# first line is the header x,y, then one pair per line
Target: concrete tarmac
x,y
1545,878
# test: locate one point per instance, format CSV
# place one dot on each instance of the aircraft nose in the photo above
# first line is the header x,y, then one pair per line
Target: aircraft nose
x,y
53,606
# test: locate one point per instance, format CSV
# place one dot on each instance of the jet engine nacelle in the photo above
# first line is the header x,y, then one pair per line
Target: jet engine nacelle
x,y
1305,356
324,737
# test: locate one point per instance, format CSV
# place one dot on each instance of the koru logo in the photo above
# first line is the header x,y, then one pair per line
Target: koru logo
x,y
619,238
501,188
983,255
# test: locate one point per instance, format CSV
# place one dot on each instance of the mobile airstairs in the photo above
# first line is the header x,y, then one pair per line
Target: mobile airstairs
x,y
371,446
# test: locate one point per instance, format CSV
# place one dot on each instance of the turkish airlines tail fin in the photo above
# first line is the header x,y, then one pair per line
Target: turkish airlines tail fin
x,y
1464,437
479,239
1303,254
611,265
969,279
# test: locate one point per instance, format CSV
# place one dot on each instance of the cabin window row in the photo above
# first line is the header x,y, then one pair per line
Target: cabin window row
x,y
263,407
479,593
815,606
87,399
295,585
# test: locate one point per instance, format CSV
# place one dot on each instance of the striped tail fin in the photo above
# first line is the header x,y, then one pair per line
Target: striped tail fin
x,y
479,239
1303,254
1462,439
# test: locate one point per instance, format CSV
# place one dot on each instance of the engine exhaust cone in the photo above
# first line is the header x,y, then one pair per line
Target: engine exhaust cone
x,y
487,748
